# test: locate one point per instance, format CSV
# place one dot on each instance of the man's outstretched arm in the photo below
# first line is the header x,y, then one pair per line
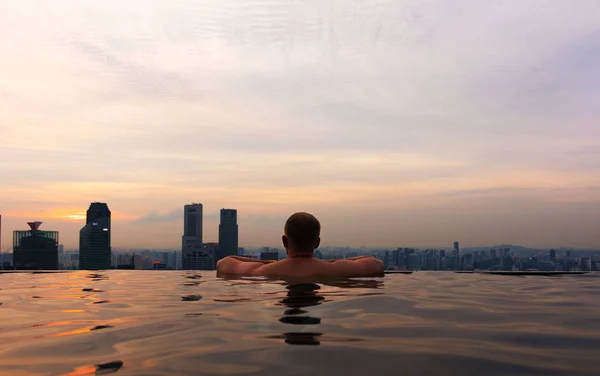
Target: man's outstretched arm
x,y
359,267
239,265
352,258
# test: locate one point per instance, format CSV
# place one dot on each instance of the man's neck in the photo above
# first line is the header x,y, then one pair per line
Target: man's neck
x,y
300,255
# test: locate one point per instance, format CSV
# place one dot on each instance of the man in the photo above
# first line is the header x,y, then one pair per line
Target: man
x,y
301,237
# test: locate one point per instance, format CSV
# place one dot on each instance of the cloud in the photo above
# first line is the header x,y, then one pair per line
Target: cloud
x,y
282,105
156,217
175,215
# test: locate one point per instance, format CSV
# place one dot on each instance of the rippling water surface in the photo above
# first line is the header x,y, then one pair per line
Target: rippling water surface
x,y
181,323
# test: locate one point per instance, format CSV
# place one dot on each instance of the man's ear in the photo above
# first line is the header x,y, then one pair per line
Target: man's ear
x,y
285,241
318,243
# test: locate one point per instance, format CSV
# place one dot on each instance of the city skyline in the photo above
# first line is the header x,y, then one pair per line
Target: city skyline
x,y
395,123
201,228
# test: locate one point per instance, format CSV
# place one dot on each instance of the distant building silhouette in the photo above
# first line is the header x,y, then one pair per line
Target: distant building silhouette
x,y
203,258
194,256
35,249
228,234
269,256
456,256
61,255
94,238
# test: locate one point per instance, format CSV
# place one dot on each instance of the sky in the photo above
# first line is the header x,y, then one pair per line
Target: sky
x,y
397,123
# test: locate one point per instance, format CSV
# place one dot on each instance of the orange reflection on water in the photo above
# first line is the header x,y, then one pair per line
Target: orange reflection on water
x,y
71,333
82,371
55,323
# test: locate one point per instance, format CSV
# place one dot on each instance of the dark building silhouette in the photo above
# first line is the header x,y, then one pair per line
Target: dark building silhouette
x,y
202,258
269,256
194,256
35,249
228,234
456,256
94,239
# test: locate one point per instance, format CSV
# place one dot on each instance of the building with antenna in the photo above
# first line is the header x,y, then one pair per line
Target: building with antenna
x,y
35,249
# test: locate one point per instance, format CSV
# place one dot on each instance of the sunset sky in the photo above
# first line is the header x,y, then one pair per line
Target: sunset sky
x,y
397,123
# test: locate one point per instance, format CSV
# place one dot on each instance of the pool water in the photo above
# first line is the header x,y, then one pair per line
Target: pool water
x,y
187,323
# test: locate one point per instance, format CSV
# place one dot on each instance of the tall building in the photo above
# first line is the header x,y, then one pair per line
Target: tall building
x,y
61,255
193,255
228,234
456,256
386,260
205,259
35,249
94,239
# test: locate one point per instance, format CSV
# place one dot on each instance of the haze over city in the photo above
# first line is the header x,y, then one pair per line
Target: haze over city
x,y
397,123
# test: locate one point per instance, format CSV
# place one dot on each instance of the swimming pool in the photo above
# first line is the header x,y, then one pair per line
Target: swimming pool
x,y
186,323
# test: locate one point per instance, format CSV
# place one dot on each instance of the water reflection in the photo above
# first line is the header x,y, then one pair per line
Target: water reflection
x,y
303,295
299,296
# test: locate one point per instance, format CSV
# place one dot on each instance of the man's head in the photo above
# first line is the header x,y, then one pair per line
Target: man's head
x,y
302,233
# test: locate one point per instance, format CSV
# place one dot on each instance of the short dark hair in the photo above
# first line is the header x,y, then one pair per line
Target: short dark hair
x,y
303,231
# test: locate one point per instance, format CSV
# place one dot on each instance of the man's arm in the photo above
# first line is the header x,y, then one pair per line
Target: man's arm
x,y
239,265
351,258
247,259
360,267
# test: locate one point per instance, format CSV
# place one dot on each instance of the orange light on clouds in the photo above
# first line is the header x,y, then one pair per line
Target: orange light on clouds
x,y
65,214
76,216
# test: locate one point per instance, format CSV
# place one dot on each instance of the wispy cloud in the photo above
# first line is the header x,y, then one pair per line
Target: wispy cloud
x,y
156,217
386,106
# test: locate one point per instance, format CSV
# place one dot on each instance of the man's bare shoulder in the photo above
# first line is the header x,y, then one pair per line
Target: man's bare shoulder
x,y
293,268
270,269
319,268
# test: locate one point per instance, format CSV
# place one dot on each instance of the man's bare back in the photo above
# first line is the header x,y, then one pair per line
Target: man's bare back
x,y
365,266
302,236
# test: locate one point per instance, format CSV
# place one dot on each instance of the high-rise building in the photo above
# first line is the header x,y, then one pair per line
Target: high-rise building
x,y
386,260
61,255
94,238
193,257
228,234
35,249
456,256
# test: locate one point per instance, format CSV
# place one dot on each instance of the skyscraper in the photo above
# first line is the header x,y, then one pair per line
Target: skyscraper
x,y
61,255
94,239
386,260
228,234
457,256
193,255
35,249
